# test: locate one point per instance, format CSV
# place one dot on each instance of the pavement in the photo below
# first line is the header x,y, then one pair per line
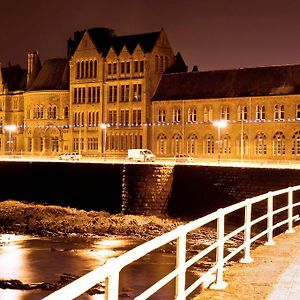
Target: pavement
x,y
274,274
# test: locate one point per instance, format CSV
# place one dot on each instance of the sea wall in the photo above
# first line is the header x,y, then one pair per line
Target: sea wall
x,y
179,191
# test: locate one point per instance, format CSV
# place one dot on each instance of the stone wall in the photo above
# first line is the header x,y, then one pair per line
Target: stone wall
x,y
146,189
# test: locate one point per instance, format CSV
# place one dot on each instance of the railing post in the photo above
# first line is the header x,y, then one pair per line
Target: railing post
x,y
270,241
247,234
112,285
220,284
180,263
290,211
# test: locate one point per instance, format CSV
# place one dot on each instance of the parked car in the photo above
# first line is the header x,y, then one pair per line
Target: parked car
x,y
70,156
183,158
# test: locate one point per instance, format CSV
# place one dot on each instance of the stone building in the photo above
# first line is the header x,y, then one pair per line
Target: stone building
x,y
112,81
260,108
113,93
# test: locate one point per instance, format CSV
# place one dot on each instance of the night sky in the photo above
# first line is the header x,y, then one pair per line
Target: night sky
x,y
213,34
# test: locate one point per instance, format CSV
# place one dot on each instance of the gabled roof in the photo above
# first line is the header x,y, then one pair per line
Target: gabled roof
x,y
105,38
52,76
146,40
261,81
14,77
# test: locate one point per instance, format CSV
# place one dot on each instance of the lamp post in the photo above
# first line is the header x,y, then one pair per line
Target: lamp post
x,y
220,124
10,129
104,128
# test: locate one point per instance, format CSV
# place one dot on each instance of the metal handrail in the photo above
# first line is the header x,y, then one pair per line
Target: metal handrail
x,y
111,269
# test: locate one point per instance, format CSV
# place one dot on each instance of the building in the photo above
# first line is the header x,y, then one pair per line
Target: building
x,y
260,108
113,93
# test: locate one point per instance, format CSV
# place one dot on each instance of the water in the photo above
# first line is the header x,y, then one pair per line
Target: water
x,y
33,260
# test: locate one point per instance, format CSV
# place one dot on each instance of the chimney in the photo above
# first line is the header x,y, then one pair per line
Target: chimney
x,y
195,69
33,65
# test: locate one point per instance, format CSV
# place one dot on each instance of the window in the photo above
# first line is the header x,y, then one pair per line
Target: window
x,y
296,143
66,112
209,145
161,64
112,94
75,96
122,68
225,146
242,146
276,113
137,117
162,144
82,70
192,115
77,70
91,68
95,68
191,144
54,144
177,144
260,144
166,62
137,92
142,66
260,113
114,68
177,116
161,115
83,95
279,144
128,67
224,115
207,114
242,113
86,69
112,117
98,94
124,117
136,67
109,69
298,111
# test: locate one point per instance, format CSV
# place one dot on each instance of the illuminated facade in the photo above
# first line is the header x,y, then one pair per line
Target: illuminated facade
x,y
261,107
113,93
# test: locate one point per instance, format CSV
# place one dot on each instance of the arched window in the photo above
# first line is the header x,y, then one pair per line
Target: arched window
x,y
276,113
82,119
281,113
78,69
54,112
296,143
192,115
225,146
224,114
41,112
260,144
86,69
177,144
242,146
161,64
91,68
82,70
95,68
162,144
191,144
279,143
209,145
177,115
55,144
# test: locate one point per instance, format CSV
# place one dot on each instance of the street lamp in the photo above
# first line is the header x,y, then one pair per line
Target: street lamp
x,y
220,124
10,129
104,128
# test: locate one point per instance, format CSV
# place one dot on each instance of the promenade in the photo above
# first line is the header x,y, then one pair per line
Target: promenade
x,y
274,274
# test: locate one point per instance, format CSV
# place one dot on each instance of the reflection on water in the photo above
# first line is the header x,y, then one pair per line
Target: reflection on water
x,y
33,260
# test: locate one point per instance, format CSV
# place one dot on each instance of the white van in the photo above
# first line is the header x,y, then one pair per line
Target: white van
x,y
140,155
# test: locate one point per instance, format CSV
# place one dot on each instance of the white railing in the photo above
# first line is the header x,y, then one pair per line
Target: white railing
x,y
109,272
